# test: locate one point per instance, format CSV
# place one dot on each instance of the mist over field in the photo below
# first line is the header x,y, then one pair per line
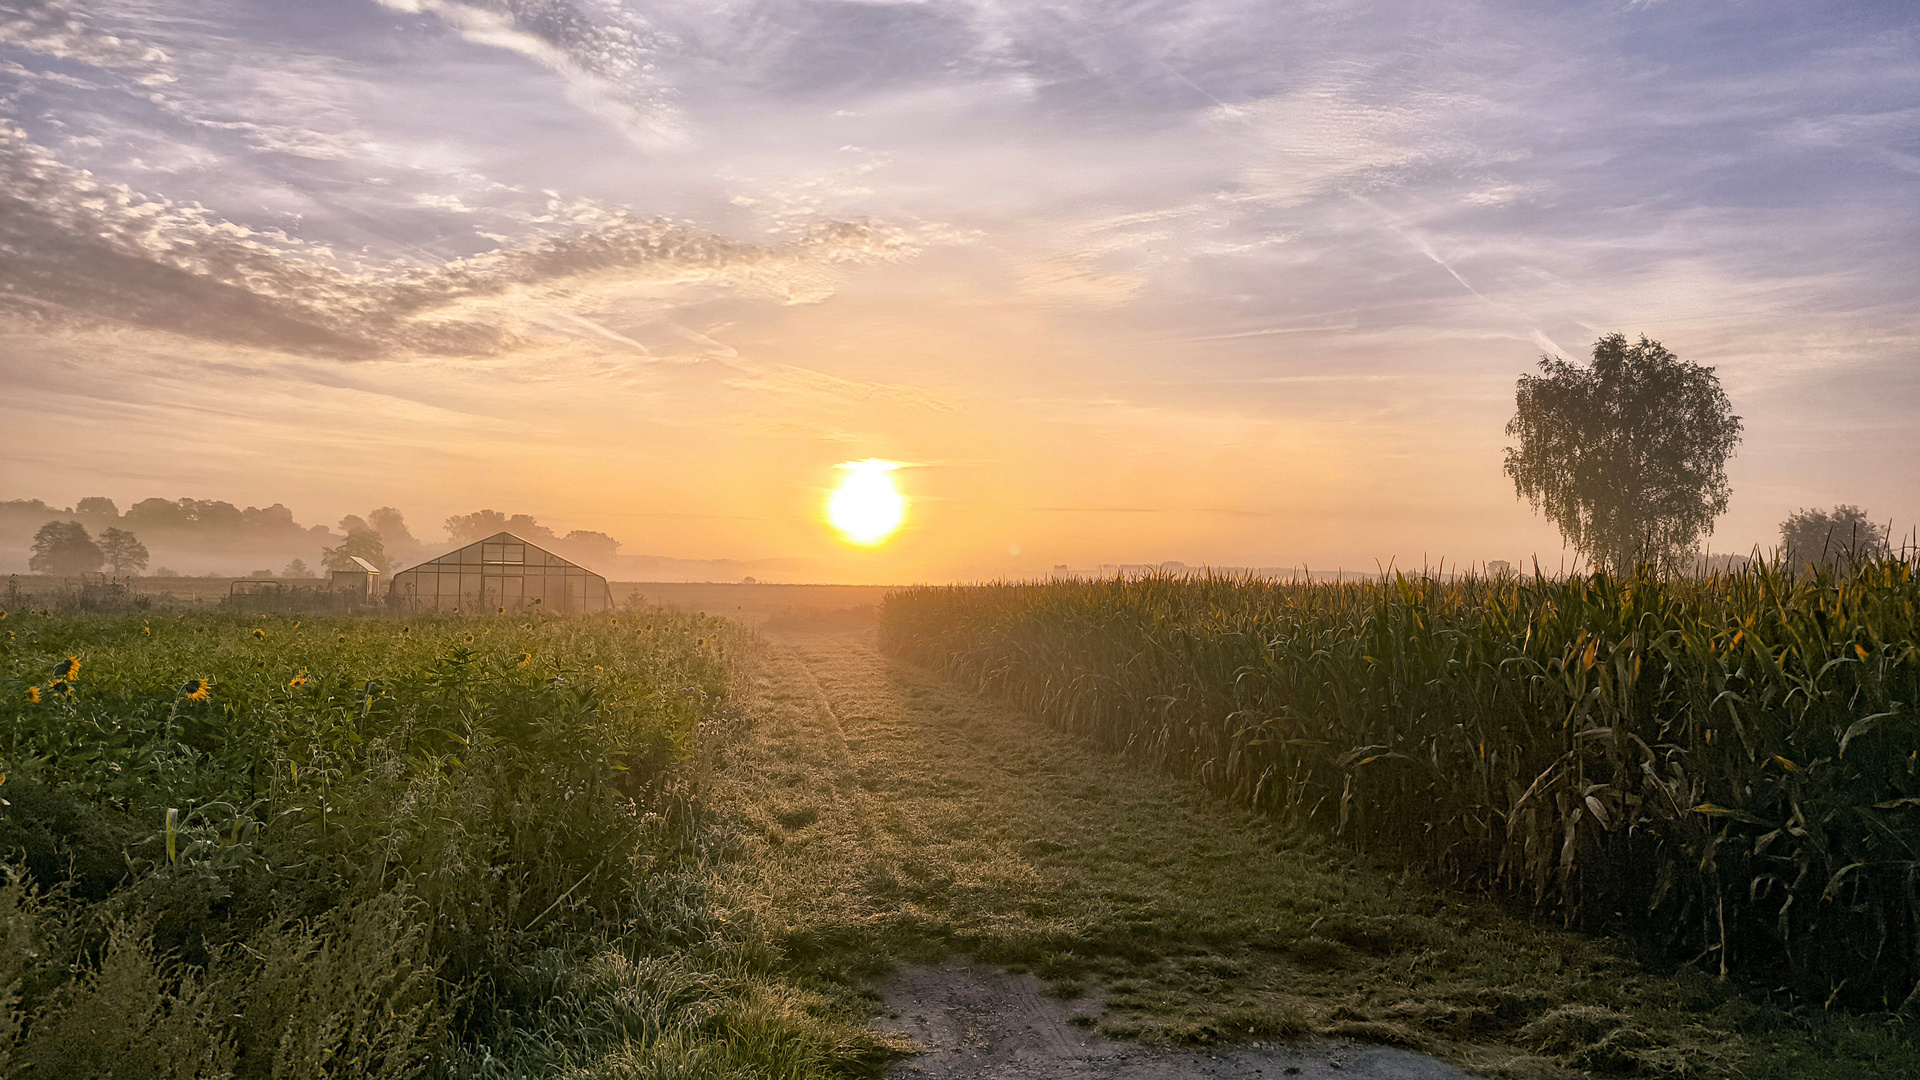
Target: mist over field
x,y
210,537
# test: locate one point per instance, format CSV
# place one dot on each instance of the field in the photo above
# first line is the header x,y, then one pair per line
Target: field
x,y
881,813
1208,814
1724,768
740,602
335,847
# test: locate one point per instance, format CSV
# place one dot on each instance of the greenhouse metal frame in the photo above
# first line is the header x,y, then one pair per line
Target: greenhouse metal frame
x,y
500,573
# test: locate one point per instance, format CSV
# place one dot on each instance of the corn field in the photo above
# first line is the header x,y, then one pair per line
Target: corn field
x,y
1725,767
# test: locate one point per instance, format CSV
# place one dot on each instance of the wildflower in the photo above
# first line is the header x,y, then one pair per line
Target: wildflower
x,y
60,688
296,626
146,628
597,667
525,658
299,680
33,695
198,689
259,633
701,642
67,669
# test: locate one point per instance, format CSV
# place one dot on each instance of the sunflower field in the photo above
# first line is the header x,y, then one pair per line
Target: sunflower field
x,y
267,846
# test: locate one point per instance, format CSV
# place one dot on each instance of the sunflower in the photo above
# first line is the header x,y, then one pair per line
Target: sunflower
x,y
67,669
33,695
198,689
525,658
299,680
60,688
259,633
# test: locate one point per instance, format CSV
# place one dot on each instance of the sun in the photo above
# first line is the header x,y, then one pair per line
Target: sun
x,y
867,508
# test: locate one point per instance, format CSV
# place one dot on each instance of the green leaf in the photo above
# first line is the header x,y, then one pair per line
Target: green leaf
x,y
1861,727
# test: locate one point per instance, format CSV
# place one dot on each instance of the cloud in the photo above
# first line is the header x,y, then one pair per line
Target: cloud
x,y
65,31
607,66
80,249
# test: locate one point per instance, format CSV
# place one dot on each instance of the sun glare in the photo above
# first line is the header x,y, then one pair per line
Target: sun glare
x,y
867,508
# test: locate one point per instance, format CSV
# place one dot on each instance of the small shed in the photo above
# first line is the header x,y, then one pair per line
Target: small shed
x,y
500,572
359,580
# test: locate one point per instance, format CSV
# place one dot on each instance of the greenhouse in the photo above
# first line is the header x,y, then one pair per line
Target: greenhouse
x,y
500,573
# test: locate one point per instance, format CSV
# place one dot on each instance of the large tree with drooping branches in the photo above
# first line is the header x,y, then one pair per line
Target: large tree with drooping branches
x,y
1626,455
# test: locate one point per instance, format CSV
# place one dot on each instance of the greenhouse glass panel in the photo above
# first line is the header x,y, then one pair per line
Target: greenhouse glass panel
x,y
502,571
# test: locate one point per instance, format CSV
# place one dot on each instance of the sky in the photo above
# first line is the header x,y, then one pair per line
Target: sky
x,y
1229,282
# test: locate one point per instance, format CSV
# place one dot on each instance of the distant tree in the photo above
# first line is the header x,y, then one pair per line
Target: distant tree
x,y
1835,538
165,571
123,550
97,506
400,542
1626,456
1723,564
466,528
149,515
390,524
64,547
364,543
297,568
589,548
273,520
526,528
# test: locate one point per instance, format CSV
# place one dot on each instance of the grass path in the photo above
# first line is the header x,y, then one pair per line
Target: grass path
x,y
878,814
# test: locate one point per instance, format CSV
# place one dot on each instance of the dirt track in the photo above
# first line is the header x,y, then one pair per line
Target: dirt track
x,y
993,880
979,1023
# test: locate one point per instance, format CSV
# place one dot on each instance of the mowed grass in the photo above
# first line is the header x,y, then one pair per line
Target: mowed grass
x,y
277,846
881,813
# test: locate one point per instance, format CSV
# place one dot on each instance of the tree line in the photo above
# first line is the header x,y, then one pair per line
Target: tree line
x,y
65,544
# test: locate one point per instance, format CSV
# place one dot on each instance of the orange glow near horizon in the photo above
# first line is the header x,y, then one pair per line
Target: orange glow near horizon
x,y
867,508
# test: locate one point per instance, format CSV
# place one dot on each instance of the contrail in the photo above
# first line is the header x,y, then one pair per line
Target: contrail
x,y
1424,248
